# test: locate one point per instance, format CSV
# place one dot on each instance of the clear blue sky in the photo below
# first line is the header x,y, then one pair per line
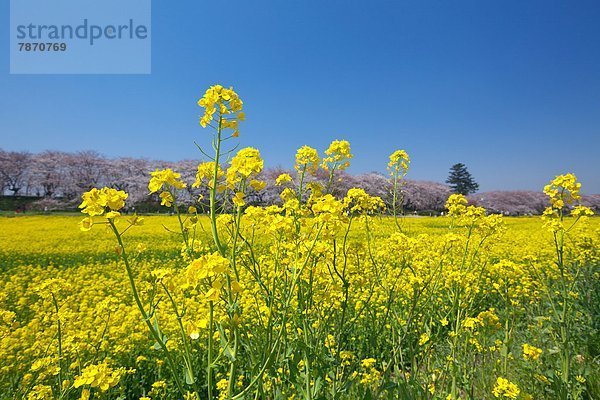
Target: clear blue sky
x,y
510,88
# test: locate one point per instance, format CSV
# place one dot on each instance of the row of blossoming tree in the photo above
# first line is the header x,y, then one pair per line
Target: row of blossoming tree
x,y
58,179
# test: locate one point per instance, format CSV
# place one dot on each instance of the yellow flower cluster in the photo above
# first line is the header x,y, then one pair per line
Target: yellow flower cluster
x,y
473,217
531,352
307,159
505,388
563,191
206,172
338,156
512,282
40,392
399,163
370,374
227,103
99,376
210,272
207,266
327,208
358,201
246,164
456,205
283,179
165,177
489,318
97,202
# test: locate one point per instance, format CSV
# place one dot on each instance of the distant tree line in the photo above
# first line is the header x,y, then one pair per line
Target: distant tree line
x,y
57,179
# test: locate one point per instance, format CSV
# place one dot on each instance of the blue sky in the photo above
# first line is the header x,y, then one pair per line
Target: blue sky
x,y
510,88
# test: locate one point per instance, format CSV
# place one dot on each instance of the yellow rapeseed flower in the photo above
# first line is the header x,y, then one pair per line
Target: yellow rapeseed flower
x,y
307,159
505,388
531,352
163,177
399,162
338,155
99,376
226,104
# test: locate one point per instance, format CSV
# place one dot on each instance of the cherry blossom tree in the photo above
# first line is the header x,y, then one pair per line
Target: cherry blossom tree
x,y
15,167
511,202
592,201
425,195
86,169
130,175
49,172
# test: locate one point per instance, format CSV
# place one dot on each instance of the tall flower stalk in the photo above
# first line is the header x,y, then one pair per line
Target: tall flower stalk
x,y
398,167
563,193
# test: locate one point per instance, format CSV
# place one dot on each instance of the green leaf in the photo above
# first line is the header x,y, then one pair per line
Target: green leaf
x,y
225,345
189,378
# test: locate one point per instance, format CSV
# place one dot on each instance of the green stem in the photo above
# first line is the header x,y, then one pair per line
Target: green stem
x,y
213,191
330,181
209,377
238,219
394,202
181,227
138,302
285,308
59,343
188,353
301,183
